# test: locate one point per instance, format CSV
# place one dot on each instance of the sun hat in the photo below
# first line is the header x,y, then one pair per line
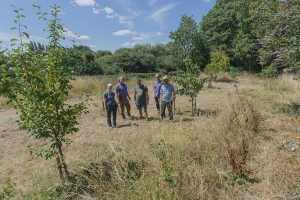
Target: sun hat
x,y
166,79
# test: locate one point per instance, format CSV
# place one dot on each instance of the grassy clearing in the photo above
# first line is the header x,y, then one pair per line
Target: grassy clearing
x,y
245,150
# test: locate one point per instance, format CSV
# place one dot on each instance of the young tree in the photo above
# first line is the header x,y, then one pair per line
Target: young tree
x,y
219,62
37,86
189,83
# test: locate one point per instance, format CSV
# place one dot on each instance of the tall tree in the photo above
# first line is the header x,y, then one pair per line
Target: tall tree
x,y
227,27
276,25
187,42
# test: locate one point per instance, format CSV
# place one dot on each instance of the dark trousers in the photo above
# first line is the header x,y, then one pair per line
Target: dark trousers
x,y
124,104
111,116
157,103
163,109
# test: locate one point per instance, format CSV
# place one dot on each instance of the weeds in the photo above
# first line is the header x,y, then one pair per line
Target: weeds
x,y
242,115
7,191
242,122
292,109
160,150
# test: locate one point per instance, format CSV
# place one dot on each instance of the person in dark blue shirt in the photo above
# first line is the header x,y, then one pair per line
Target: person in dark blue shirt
x,y
110,106
123,97
157,84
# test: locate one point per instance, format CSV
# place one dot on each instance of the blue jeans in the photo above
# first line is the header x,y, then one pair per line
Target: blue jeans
x,y
112,116
163,109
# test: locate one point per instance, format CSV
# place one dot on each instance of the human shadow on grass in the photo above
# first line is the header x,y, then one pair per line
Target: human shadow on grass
x,y
126,125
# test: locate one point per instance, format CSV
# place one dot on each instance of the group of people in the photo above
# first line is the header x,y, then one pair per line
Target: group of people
x,y
164,95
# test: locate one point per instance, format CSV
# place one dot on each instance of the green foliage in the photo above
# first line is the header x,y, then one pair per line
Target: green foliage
x,y
276,26
139,59
188,42
269,72
37,86
189,81
7,191
228,27
219,62
135,60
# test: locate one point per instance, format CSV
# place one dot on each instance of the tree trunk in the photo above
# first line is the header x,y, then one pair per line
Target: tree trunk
x,y
210,84
192,106
236,88
59,168
63,163
195,108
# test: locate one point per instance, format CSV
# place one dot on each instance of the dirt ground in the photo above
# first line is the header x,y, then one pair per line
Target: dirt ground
x,y
17,166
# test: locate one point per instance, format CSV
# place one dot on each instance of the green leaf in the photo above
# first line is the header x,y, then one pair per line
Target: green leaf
x,y
26,34
36,6
13,28
14,40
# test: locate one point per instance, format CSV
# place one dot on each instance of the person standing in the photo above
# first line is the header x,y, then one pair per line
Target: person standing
x,y
168,94
110,106
157,84
141,98
123,97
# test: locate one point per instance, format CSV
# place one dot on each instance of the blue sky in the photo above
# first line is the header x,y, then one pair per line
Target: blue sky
x,y
107,24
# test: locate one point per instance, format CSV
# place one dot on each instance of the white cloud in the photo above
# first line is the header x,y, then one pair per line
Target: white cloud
x,y
96,10
138,38
123,32
110,16
159,15
206,1
68,33
108,10
159,33
121,19
89,3
129,44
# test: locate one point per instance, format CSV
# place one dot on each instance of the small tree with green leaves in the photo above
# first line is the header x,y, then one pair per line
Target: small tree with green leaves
x,y
219,62
189,83
37,84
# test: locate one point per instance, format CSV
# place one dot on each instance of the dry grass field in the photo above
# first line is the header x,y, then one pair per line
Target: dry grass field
x,y
242,146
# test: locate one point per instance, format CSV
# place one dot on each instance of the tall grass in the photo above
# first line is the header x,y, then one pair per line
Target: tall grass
x,y
3,102
96,85
284,83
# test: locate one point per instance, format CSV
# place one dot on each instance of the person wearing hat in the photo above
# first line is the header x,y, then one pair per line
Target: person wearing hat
x,y
110,106
168,94
123,97
141,98
157,84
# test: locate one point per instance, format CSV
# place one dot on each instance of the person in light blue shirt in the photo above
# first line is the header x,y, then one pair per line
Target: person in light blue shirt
x,y
168,95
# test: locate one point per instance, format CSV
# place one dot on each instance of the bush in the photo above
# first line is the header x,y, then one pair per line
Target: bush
x,y
268,72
